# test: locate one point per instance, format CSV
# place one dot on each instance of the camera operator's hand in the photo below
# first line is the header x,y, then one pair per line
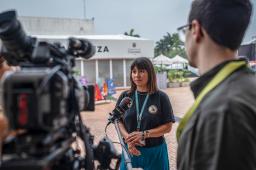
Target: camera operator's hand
x,y
3,120
3,126
5,67
133,150
135,138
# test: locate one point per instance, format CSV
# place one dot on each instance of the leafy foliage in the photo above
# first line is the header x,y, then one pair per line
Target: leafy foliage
x,y
131,33
76,72
160,69
170,45
177,76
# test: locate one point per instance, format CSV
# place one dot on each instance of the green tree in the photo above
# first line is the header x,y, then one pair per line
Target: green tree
x,y
170,45
131,33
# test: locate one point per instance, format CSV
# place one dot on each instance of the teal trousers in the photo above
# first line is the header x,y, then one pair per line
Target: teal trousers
x,y
153,158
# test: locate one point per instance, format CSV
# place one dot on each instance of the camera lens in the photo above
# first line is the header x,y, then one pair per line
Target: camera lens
x,y
13,37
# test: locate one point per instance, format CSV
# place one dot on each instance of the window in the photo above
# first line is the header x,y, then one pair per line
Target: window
x,y
104,69
118,72
128,65
77,68
90,70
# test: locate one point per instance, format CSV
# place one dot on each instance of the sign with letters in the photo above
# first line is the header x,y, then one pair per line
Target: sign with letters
x,y
112,46
102,49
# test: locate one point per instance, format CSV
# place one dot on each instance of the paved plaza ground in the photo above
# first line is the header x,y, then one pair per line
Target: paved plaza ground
x,y
181,99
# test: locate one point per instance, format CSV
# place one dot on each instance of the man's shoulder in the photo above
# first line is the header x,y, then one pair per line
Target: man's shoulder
x,y
238,85
242,84
229,104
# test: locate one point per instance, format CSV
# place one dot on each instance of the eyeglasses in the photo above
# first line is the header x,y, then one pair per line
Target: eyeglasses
x,y
182,31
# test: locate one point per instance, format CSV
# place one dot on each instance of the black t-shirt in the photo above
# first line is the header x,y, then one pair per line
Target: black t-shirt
x,y
158,111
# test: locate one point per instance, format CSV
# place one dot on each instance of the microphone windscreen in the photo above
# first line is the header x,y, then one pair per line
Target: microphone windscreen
x,y
125,103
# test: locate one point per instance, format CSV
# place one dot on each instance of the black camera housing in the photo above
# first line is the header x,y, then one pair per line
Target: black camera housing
x,y
44,93
43,100
29,107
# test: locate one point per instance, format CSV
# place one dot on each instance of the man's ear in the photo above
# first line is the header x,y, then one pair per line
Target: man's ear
x,y
196,31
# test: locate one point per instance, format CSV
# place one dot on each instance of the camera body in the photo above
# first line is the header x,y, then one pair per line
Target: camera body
x,y
43,99
29,107
43,94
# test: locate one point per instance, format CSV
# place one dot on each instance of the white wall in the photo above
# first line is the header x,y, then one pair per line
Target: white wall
x,y
118,47
114,49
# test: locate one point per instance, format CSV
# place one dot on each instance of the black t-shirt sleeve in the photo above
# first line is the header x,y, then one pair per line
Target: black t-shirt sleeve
x,y
166,109
122,95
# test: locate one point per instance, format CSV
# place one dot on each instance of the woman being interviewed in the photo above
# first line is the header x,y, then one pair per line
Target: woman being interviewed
x,y
147,120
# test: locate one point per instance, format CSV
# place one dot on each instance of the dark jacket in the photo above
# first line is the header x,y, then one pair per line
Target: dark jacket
x,y
221,134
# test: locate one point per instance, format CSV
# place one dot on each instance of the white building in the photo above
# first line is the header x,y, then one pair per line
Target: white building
x,y
56,26
114,54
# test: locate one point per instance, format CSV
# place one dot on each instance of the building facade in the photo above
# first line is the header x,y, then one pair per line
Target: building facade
x,y
114,53
113,57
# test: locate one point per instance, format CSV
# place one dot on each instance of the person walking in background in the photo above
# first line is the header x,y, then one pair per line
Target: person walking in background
x,y
219,130
147,120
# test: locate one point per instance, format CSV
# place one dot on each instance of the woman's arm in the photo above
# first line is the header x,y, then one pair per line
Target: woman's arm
x,y
131,147
123,131
136,136
159,131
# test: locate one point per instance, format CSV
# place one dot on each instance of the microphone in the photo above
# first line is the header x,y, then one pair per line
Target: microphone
x,y
119,111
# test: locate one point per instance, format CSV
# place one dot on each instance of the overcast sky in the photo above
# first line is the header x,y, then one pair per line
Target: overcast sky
x,y
150,18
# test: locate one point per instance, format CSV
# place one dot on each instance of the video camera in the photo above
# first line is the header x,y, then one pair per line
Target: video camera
x,y
44,99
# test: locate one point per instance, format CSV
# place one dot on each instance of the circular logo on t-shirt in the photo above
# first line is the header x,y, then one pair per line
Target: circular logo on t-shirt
x,y
152,109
